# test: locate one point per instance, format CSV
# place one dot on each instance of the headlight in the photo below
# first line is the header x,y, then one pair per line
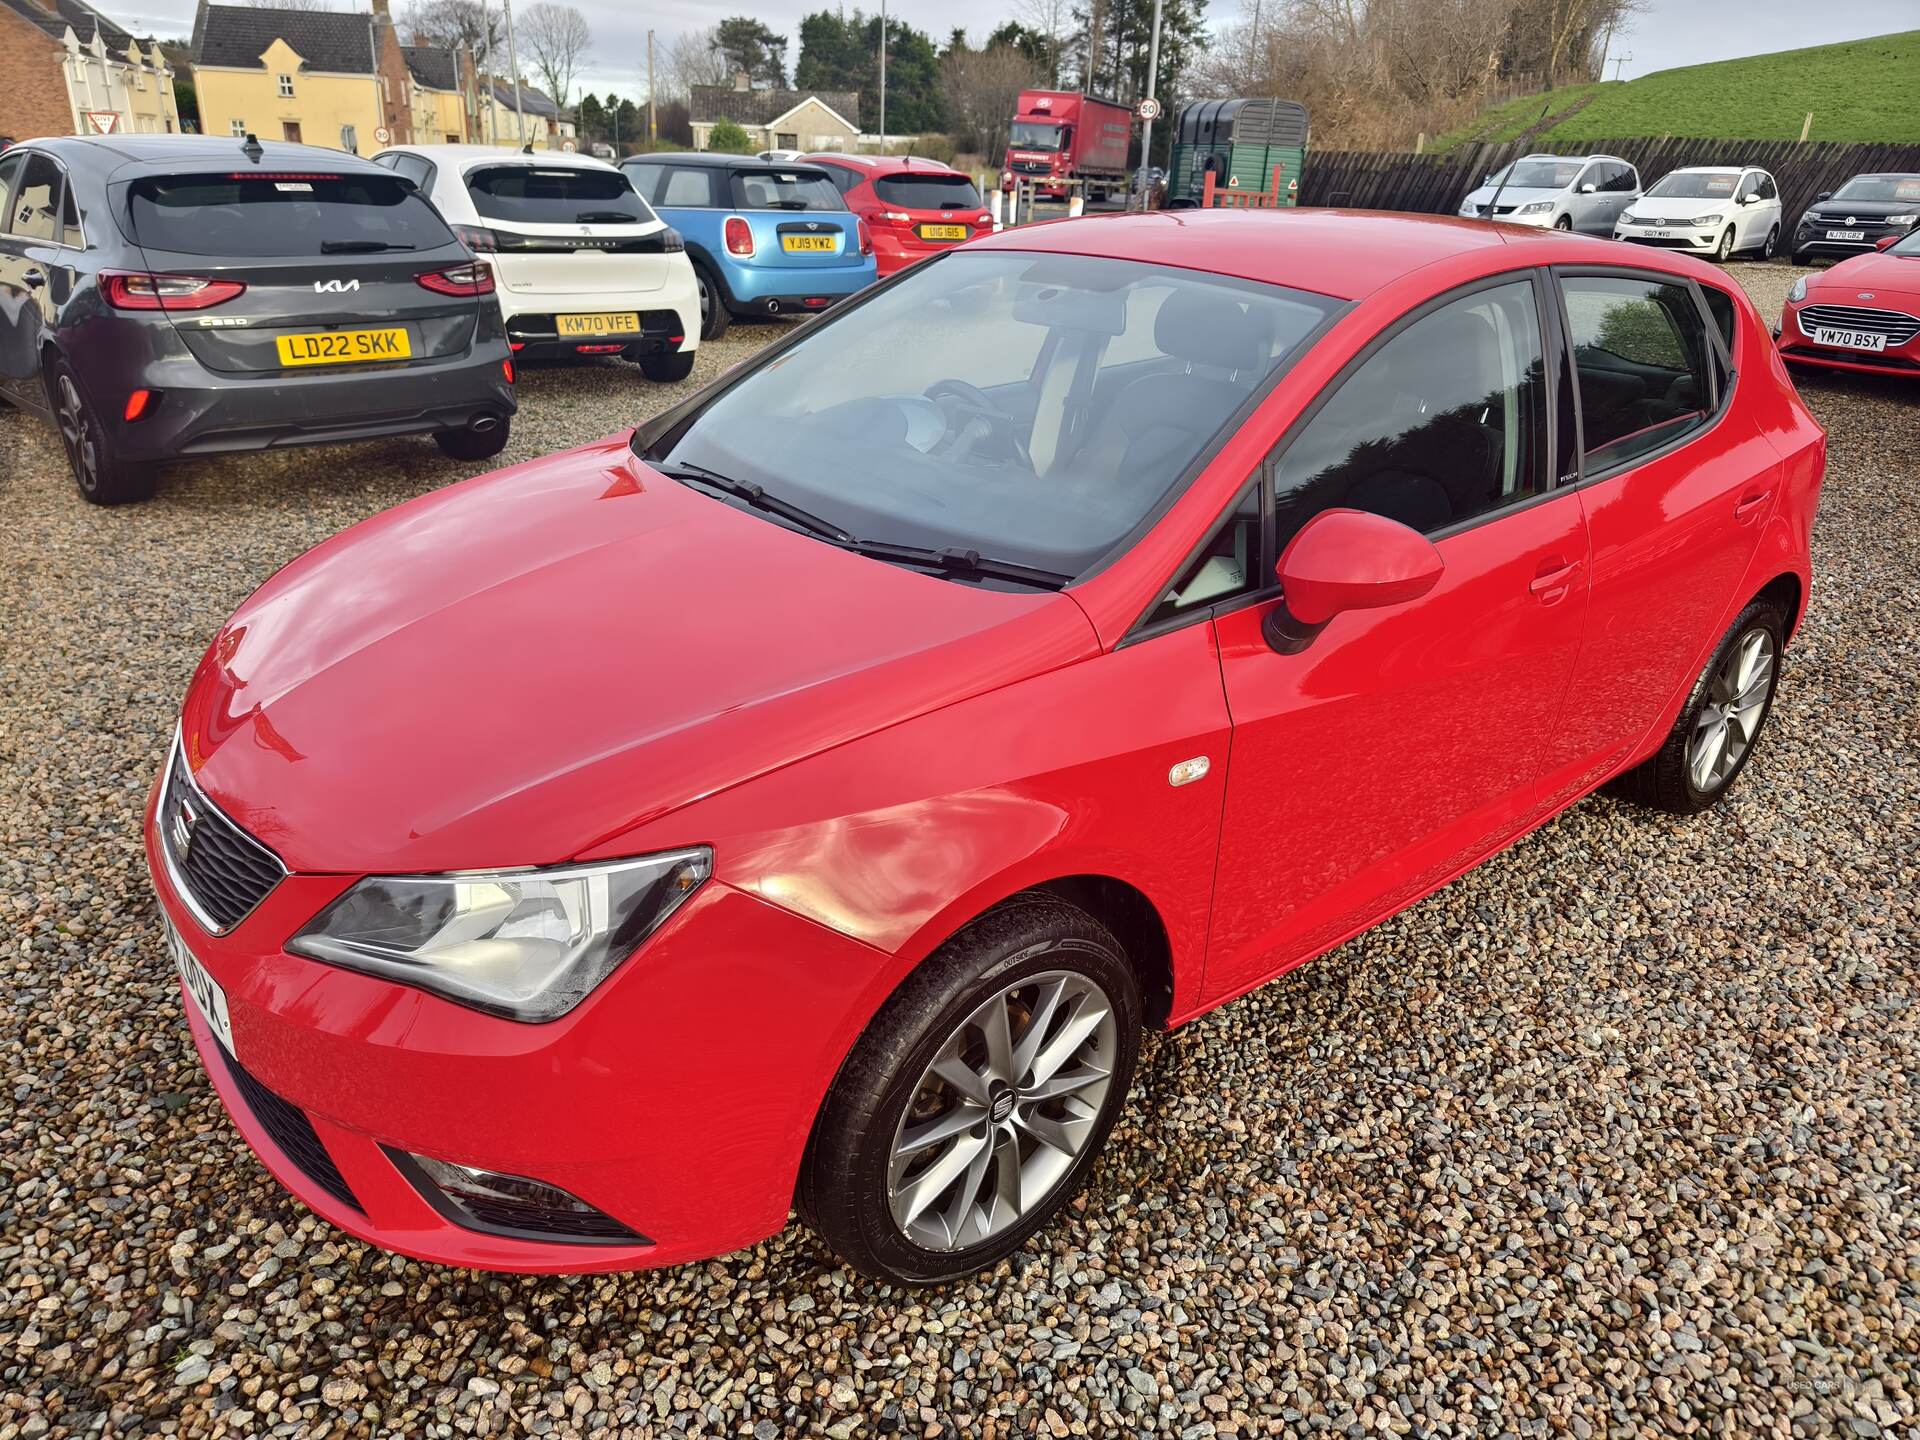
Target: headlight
x,y
1704,220
526,944
1798,292
1902,219
1539,207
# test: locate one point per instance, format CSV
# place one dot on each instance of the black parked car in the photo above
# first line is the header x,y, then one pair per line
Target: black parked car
x,y
1852,219
163,296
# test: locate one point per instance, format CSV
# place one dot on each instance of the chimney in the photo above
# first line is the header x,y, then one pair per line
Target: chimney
x,y
382,13
742,80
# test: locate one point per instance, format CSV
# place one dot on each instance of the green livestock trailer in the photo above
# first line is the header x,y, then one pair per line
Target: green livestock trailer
x,y
1241,141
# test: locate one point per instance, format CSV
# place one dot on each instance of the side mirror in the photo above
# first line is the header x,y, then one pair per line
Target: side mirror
x,y
1750,198
1824,195
1588,188
1346,560
1885,240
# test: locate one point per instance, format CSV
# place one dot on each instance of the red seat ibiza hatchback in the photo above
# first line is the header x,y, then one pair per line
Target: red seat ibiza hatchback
x,y
807,799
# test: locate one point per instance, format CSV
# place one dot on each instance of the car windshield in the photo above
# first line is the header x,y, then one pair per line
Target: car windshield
x,y
1886,188
555,195
1031,408
1538,174
933,191
282,213
1906,245
1693,185
785,190
1035,135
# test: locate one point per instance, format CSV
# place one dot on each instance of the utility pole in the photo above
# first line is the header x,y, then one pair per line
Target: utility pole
x,y
883,77
1146,128
513,59
650,134
1618,61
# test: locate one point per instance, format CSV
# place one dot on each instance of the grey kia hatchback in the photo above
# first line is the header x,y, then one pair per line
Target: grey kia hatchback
x,y
166,296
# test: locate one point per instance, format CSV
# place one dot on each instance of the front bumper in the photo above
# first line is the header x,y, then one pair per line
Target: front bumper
x,y
1798,347
1812,239
677,1098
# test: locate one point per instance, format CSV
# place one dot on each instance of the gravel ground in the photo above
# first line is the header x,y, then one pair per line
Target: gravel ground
x,y
1614,1136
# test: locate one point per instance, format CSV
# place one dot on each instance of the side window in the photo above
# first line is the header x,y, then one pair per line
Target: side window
x,y
1592,175
688,186
1640,356
390,160
645,179
1444,422
1720,307
843,179
1229,564
9,183
1623,181
416,169
1768,190
70,232
32,214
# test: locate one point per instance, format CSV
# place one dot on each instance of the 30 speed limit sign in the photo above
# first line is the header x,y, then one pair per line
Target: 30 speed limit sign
x,y
1148,109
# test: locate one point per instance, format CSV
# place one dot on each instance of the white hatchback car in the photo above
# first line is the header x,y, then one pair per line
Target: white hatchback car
x,y
1716,210
585,266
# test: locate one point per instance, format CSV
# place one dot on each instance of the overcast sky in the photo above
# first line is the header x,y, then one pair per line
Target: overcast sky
x,y
1666,34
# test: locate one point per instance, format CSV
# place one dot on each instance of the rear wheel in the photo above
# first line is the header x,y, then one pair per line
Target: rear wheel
x,y
474,444
976,1101
103,477
714,316
1714,737
677,365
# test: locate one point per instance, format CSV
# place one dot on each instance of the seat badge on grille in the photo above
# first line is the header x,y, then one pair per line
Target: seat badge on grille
x,y
185,820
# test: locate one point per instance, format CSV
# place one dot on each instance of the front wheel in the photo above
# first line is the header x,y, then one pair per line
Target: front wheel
x,y
1565,222
474,444
1724,250
975,1103
677,365
1714,736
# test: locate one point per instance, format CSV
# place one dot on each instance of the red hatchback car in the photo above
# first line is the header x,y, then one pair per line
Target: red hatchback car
x,y
808,798
1862,314
913,208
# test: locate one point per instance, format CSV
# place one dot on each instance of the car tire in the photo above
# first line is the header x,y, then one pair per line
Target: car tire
x,y
1723,252
1803,257
675,365
1720,724
1035,961
464,444
1772,244
714,315
103,477
1564,222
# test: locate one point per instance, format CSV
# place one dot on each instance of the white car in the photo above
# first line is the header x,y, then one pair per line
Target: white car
x,y
1715,210
585,267
1557,192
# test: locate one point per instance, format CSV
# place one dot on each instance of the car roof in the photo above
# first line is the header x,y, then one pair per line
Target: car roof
x,y
466,156
1343,253
167,154
881,162
709,158
1712,169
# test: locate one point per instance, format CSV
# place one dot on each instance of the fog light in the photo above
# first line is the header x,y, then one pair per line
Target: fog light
x,y
506,369
599,349
511,1205
137,404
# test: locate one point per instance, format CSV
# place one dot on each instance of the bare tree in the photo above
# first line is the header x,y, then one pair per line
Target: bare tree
x,y
1052,22
470,25
305,5
556,38
693,59
982,90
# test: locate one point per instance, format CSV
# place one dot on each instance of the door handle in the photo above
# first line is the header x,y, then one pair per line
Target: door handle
x,y
1550,586
34,278
1750,506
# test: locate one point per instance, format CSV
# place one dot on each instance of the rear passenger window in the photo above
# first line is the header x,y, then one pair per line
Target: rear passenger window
x,y
688,187
1447,421
1640,357
33,216
1720,307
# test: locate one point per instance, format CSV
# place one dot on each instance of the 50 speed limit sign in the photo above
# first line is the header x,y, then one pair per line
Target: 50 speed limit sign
x,y
1148,109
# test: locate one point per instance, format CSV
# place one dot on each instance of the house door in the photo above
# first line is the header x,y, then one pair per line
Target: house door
x,y
290,131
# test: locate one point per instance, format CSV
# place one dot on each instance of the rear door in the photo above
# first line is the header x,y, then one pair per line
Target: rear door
x,y
329,263
798,220
567,230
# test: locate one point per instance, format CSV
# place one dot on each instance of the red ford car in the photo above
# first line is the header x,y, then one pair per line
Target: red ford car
x,y
807,799
1862,314
913,208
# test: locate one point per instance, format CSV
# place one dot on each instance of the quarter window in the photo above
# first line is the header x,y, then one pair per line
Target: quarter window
x,y
689,187
70,232
1445,422
1640,359
9,183
1228,565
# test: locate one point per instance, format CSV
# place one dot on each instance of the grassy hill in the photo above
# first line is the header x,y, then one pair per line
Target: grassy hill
x,y
1859,90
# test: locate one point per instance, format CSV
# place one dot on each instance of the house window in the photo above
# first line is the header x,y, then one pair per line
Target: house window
x,y
139,80
786,140
286,87
237,129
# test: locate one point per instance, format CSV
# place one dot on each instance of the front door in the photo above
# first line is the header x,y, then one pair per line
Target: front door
x,y
30,230
1403,744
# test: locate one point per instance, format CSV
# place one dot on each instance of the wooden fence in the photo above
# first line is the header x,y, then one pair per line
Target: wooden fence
x,y
1436,184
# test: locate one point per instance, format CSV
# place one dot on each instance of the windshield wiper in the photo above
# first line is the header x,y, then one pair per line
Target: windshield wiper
x,y
953,560
755,496
359,247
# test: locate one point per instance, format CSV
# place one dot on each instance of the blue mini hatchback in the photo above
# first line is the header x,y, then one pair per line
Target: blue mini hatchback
x,y
766,238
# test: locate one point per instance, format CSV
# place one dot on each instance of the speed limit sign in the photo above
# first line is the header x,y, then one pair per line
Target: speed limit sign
x,y
1149,109
382,135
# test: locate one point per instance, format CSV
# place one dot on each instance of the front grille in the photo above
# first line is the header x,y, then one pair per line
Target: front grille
x,y
1898,326
1497,210
221,871
291,1131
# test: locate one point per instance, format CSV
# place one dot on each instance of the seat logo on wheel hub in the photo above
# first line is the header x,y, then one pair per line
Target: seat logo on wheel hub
x,y
1001,1106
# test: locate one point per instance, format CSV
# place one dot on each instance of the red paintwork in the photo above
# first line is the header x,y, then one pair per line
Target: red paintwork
x,y
895,229
1890,282
1353,560
1100,132
575,658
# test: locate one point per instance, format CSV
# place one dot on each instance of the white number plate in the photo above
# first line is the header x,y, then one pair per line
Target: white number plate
x,y
1846,234
1849,339
208,998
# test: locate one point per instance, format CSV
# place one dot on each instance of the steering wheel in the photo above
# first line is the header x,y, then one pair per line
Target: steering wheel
x,y
971,400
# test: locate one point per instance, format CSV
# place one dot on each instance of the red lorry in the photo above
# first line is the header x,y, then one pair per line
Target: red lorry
x,y
1062,135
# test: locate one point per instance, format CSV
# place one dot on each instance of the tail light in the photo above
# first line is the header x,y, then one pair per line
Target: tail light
x,y
137,405
137,290
739,236
475,277
896,217
983,218
672,241
866,236
477,238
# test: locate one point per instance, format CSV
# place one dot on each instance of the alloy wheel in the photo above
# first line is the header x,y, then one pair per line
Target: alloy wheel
x,y
706,301
76,430
1736,702
1003,1111
1726,245
1773,241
